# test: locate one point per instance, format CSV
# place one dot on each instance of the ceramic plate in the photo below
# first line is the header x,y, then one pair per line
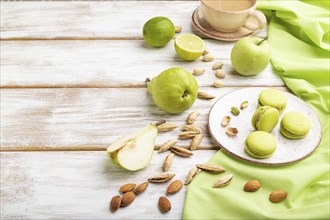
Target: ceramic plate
x,y
287,151
201,25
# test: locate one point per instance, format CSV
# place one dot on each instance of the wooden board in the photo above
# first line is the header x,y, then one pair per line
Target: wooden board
x,y
88,119
119,63
79,185
90,20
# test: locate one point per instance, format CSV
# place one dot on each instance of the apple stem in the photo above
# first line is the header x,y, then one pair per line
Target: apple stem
x,y
262,41
160,122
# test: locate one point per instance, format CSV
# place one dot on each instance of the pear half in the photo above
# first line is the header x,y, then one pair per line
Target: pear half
x,y
134,151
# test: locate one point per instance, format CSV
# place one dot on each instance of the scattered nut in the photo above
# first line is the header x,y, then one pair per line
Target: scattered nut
x,y
218,83
196,141
141,188
235,110
252,186
127,199
217,65
211,168
220,74
244,105
204,95
174,187
167,145
192,117
206,51
178,29
199,71
222,182
187,135
181,151
277,196
161,178
168,162
127,187
191,128
166,127
115,203
208,58
225,121
232,131
164,204
191,175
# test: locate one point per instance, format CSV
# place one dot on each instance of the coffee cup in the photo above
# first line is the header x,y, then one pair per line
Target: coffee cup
x,y
230,15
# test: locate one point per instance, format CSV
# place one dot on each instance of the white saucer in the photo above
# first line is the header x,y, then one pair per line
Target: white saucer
x,y
201,25
287,151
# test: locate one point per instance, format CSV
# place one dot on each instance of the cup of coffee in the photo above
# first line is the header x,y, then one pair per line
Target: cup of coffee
x,y
229,15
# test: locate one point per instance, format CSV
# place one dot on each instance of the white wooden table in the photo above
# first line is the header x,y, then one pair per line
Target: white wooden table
x,y
72,81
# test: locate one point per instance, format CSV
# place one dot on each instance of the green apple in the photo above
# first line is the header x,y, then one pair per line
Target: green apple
x,y
134,151
250,56
174,90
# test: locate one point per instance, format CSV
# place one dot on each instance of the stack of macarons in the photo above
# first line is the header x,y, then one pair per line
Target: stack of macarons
x,y
294,125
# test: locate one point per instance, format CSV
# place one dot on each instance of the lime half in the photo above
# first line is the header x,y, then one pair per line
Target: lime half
x,y
189,46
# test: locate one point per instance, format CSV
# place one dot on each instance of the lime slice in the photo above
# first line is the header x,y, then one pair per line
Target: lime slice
x,y
189,46
158,31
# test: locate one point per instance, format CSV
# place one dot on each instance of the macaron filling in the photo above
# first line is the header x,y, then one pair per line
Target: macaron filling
x,y
289,134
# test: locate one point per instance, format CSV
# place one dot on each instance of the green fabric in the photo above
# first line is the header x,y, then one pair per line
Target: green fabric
x,y
299,38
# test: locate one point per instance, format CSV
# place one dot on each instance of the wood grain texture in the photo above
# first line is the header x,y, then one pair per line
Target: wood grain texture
x,y
120,63
79,185
88,119
90,20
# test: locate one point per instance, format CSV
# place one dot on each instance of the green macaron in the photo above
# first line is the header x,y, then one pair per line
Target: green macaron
x,y
260,144
295,125
273,98
265,118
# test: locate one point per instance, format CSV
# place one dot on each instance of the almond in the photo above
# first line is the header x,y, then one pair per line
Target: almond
x,y
166,127
127,187
252,186
192,117
127,199
161,178
223,181
174,187
181,151
115,203
191,175
164,204
168,162
277,196
211,168
141,188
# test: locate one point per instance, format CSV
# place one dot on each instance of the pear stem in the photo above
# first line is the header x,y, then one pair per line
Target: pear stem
x,y
258,44
160,122
147,80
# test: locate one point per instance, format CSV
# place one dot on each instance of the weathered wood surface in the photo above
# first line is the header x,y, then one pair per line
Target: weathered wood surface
x,y
88,119
79,185
109,64
90,20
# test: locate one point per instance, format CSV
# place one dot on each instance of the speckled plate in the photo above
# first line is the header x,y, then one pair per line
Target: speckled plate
x,y
287,151
202,26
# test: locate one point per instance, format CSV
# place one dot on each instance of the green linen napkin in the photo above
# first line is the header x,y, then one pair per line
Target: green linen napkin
x,y
299,38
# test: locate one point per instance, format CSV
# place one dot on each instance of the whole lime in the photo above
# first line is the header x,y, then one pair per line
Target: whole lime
x,y
158,31
173,90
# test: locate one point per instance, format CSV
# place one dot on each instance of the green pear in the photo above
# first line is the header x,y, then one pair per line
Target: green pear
x,y
173,90
134,151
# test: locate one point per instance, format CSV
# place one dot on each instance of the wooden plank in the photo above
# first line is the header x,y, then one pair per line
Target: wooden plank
x,y
79,185
109,64
90,20
87,119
